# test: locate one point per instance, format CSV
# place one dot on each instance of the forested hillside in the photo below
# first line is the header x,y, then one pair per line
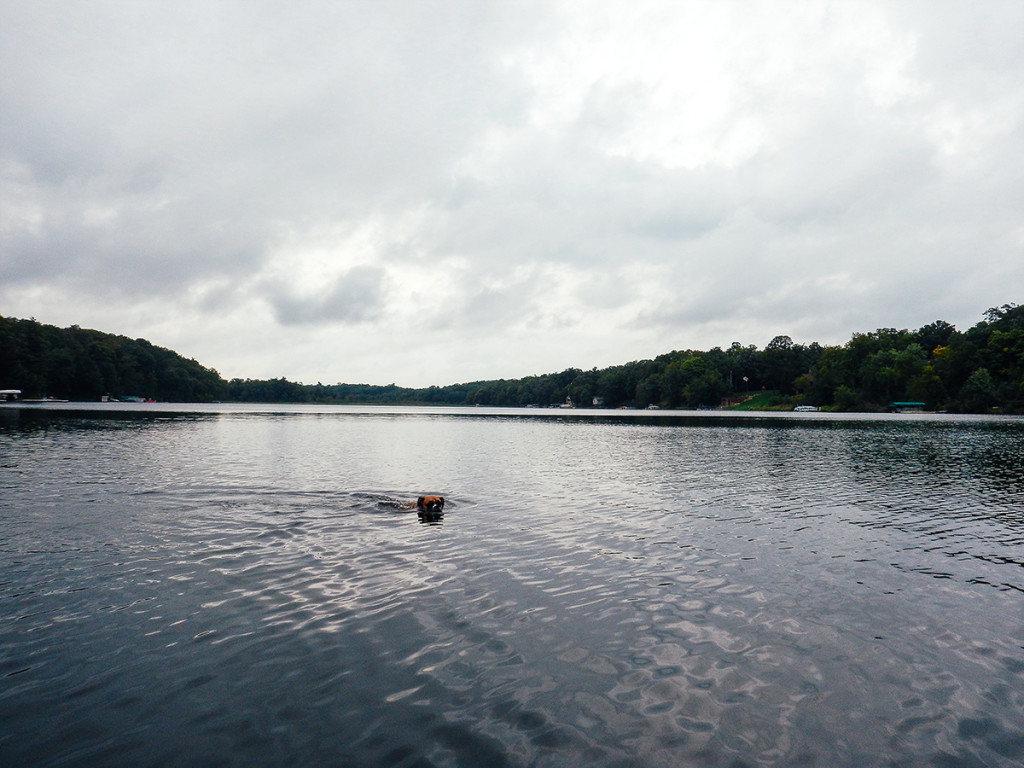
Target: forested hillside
x,y
78,364
974,371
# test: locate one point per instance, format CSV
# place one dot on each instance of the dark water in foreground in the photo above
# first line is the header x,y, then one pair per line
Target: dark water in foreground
x,y
234,588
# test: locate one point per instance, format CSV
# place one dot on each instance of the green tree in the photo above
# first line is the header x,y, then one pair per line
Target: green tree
x,y
926,386
978,393
847,399
744,367
934,335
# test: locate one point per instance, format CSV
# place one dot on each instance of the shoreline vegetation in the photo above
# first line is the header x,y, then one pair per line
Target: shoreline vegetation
x,y
980,370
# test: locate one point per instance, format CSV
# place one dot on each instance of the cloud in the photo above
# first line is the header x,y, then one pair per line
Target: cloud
x,y
498,189
354,297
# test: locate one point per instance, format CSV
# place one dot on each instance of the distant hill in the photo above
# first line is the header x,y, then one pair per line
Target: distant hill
x,y
975,371
78,364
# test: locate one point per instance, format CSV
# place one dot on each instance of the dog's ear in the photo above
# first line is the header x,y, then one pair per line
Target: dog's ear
x,y
420,501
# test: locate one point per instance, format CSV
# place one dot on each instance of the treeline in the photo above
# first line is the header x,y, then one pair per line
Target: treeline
x,y
79,364
975,371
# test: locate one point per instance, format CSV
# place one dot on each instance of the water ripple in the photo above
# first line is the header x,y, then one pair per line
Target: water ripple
x,y
250,591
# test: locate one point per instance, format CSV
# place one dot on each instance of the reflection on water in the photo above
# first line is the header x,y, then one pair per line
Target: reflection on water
x,y
245,588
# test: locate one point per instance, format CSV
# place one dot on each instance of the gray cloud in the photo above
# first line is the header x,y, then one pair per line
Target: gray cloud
x,y
354,297
505,188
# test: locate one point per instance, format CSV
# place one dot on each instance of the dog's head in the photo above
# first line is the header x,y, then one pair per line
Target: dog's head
x,y
432,504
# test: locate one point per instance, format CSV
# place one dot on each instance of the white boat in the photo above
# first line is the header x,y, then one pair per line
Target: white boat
x,y
805,408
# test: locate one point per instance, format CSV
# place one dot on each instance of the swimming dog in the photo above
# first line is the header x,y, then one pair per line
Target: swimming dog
x,y
430,508
430,504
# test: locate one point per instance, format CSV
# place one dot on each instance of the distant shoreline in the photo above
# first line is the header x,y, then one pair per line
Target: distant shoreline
x,y
980,370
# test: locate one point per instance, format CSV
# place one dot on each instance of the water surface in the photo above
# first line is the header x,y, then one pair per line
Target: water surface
x,y
237,585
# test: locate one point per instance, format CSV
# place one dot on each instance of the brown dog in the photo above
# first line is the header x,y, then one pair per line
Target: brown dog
x,y
430,509
432,505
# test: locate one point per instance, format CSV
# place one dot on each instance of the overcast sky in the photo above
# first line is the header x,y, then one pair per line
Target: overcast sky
x,y
445,191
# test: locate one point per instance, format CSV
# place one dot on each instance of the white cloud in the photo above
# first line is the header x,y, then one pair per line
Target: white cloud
x,y
428,193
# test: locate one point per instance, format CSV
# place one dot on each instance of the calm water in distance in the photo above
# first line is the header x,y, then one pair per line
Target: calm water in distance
x,y
241,586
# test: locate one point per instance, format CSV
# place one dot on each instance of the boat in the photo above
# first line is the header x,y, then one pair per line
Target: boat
x,y
805,408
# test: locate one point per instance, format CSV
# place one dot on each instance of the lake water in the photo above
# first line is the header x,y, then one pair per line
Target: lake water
x,y
240,586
